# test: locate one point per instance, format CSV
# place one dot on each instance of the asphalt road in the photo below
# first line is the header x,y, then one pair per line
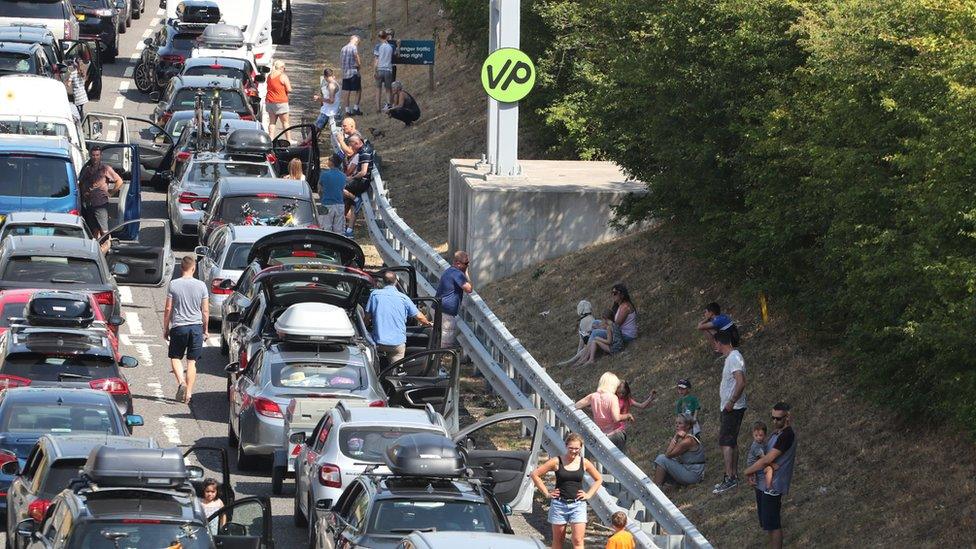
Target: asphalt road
x,y
153,387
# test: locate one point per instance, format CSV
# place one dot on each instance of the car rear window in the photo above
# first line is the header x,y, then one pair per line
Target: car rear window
x,y
90,4
56,270
61,369
266,210
210,70
370,443
230,100
184,41
210,171
293,253
34,176
59,474
237,256
142,535
42,230
59,418
318,375
12,62
33,9
403,517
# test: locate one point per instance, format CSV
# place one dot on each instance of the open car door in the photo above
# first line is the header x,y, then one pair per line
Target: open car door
x,y
307,150
124,159
504,448
105,130
406,278
88,52
427,377
155,145
205,462
244,524
421,338
140,253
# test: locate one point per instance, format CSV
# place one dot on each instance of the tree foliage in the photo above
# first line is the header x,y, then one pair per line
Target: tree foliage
x,y
821,150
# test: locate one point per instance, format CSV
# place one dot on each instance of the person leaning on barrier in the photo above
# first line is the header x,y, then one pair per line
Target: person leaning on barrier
x,y
454,283
683,462
359,178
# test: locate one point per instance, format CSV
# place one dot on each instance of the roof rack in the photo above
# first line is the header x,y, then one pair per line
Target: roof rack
x,y
19,330
160,470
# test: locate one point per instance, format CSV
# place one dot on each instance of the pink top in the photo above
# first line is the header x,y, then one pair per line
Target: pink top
x,y
624,408
602,405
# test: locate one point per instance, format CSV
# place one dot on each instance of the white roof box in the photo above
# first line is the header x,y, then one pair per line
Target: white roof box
x,y
314,322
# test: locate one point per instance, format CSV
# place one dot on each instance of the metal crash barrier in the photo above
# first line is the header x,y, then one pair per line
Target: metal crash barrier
x,y
523,383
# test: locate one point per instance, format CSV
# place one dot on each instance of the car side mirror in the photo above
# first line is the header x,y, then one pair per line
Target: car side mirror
x,y
201,250
282,143
134,420
26,528
120,269
128,361
195,472
297,438
265,69
233,317
10,468
323,505
233,368
116,320
148,42
260,79
227,284
507,509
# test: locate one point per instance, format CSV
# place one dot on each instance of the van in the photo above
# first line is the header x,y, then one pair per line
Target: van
x,y
36,105
56,15
37,174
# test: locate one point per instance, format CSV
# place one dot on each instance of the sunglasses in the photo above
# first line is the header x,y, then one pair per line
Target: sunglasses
x,y
778,418
571,449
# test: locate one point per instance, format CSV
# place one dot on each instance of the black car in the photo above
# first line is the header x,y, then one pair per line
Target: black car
x,y
281,21
231,67
24,59
258,201
435,483
169,49
100,19
181,95
61,54
143,498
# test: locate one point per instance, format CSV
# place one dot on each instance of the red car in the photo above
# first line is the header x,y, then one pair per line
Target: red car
x,y
12,304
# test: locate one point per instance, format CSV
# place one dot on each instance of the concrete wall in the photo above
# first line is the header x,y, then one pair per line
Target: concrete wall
x,y
554,208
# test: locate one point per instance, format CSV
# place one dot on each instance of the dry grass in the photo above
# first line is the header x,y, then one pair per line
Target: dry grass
x,y
862,479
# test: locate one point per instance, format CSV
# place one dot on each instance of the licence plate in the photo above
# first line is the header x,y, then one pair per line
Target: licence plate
x,y
80,16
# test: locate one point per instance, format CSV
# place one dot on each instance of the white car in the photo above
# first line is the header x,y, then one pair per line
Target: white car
x,y
253,17
226,258
57,15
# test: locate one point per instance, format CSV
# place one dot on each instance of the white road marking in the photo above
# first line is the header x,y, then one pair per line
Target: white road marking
x,y
145,355
119,101
140,46
148,33
125,292
170,431
113,123
135,55
213,341
128,72
160,11
134,324
155,21
124,86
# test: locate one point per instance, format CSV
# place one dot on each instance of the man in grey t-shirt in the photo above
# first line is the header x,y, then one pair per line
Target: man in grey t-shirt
x,y
185,321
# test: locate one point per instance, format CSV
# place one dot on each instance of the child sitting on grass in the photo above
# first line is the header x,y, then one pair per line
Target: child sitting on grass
x,y
608,337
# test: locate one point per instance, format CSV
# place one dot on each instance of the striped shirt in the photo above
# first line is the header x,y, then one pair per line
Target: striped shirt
x,y
78,88
347,60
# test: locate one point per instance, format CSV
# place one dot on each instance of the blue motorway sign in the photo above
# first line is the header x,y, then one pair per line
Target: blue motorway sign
x,y
415,52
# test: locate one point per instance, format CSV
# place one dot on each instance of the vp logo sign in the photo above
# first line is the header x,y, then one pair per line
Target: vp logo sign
x,y
508,75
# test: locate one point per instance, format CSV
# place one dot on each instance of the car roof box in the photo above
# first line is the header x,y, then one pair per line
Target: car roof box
x,y
425,455
222,36
314,322
248,142
161,468
198,12
59,308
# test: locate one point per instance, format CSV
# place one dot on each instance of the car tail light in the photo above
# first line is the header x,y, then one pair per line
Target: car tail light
x,y
259,55
271,157
266,195
296,450
111,385
7,456
105,298
67,30
267,408
378,404
217,290
302,253
173,58
216,66
190,198
37,508
314,226
183,156
330,476
247,117
242,361
9,382
74,211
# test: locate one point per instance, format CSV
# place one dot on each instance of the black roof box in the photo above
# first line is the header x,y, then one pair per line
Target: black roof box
x,y
425,455
198,11
248,142
59,308
136,467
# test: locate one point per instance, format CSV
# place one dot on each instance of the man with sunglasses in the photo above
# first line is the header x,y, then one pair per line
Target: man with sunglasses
x,y
781,450
453,285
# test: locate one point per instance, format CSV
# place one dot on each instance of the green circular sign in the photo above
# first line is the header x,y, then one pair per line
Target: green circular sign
x,y
508,75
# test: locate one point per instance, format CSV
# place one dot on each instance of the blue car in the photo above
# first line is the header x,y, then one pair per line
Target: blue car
x,y
37,173
26,414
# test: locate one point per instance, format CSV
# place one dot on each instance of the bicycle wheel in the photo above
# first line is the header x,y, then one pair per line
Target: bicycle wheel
x,y
144,77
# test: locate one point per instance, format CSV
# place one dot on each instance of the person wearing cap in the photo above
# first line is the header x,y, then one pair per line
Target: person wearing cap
x,y
388,310
687,403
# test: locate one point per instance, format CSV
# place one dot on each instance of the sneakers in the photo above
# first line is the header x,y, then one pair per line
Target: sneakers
x,y
726,485
358,112
773,493
348,232
181,393
717,484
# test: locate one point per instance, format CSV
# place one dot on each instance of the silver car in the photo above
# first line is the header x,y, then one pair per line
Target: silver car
x,y
260,393
43,224
189,190
225,259
468,540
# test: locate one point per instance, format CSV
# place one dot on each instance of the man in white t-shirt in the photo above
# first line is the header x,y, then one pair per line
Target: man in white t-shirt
x,y
732,392
383,60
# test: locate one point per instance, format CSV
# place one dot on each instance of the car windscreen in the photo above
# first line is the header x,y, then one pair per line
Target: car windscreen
x,y
230,100
318,375
34,176
267,209
33,127
236,258
40,229
90,4
215,70
60,417
59,475
286,290
369,444
209,172
56,270
30,10
13,62
63,368
139,535
293,253
402,517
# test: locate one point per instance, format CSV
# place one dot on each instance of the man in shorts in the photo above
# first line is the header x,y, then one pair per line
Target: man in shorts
x,y
185,320
732,392
383,60
351,81
94,180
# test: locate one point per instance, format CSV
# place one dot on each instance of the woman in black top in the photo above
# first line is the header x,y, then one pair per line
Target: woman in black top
x,y
568,505
405,108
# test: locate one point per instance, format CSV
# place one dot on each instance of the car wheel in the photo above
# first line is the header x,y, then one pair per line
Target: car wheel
x,y
297,517
122,26
136,14
128,22
224,350
113,52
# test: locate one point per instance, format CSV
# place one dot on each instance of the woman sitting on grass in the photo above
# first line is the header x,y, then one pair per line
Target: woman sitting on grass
x,y
609,339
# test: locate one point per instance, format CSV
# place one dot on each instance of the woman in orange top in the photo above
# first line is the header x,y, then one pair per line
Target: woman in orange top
x,y
276,100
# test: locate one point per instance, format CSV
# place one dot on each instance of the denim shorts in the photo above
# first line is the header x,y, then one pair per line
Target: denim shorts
x,y
186,340
567,512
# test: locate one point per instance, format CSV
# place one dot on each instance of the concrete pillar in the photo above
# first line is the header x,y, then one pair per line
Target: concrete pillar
x,y
504,32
